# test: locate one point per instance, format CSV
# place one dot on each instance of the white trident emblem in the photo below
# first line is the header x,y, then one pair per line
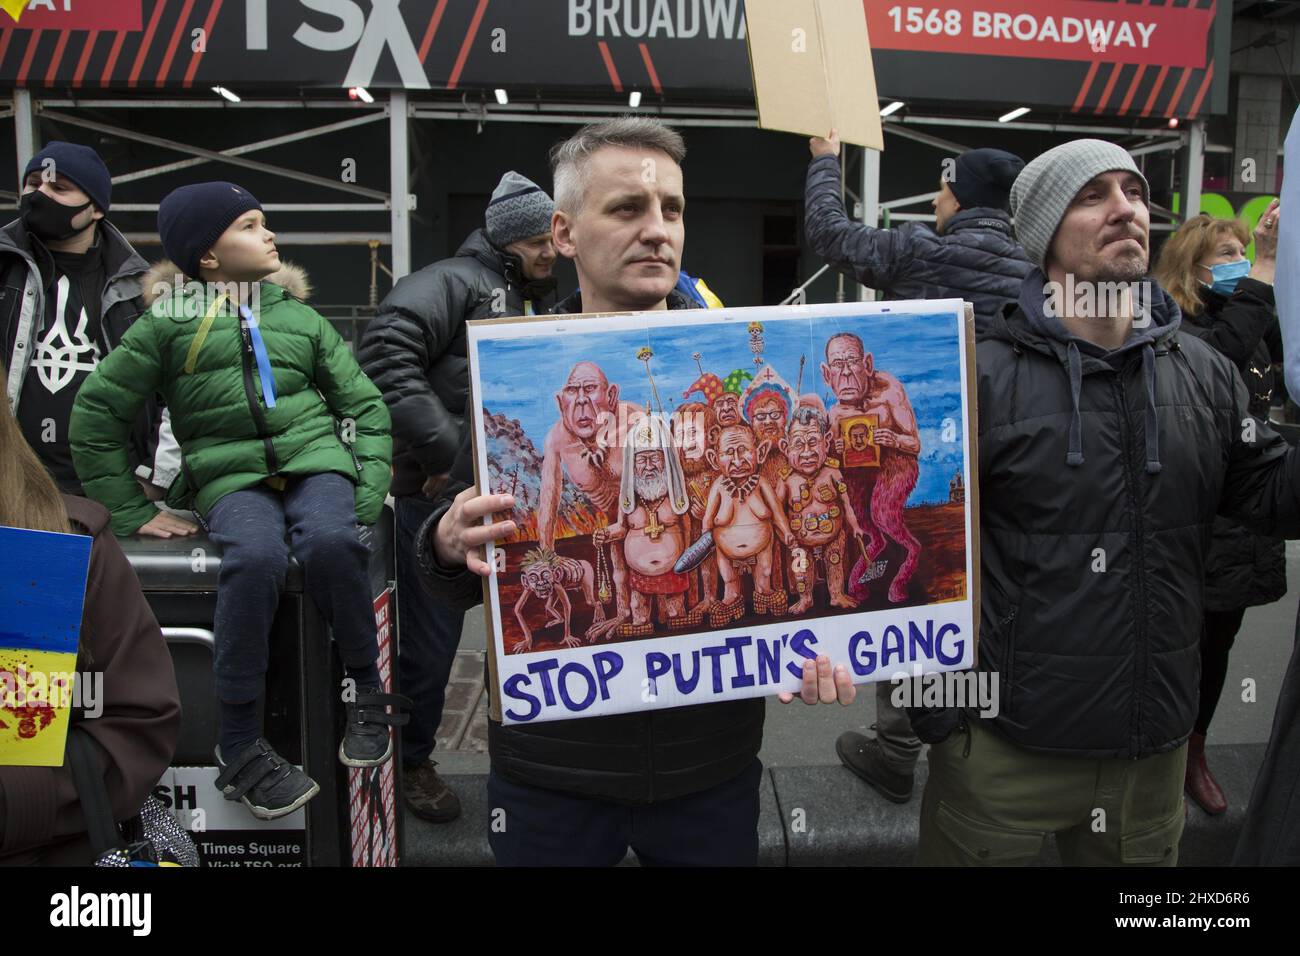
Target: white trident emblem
x,y
59,357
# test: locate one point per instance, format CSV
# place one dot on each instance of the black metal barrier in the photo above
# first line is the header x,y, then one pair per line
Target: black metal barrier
x,y
355,819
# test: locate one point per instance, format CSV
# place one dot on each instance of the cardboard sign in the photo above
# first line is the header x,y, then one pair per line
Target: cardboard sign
x,y
693,521
42,590
811,61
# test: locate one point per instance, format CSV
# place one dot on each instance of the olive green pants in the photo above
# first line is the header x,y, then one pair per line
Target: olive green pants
x,y
989,802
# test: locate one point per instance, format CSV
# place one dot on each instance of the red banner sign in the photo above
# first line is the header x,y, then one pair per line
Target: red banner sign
x,y
125,15
1059,30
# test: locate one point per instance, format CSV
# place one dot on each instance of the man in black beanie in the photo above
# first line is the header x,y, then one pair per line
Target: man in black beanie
x,y
70,287
414,351
970,254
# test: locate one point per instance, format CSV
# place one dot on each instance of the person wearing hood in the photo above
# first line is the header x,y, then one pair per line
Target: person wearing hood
x,y
414,351
70,287
1227,301
1108,442
969,254
134,716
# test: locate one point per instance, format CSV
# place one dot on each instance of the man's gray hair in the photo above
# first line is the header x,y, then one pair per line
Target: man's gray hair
x,y
569,159
807,415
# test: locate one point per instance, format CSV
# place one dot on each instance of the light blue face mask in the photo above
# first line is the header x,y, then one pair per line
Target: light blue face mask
x,y
1226,275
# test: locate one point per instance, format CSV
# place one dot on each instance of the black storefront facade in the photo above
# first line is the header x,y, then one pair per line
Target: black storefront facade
x,y
135,79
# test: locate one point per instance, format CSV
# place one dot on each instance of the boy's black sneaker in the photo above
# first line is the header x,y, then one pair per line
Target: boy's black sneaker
x,y
367,741
265,782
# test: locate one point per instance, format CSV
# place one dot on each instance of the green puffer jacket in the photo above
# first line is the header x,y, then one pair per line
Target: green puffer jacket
x,y
229,438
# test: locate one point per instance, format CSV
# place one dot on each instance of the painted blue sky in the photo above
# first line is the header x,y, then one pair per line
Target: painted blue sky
x,y
42,588
520,376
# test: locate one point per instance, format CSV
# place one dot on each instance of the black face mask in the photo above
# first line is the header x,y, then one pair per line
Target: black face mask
x,y
49,219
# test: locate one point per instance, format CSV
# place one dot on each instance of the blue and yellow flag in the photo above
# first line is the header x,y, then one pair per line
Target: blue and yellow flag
x,y
42,591
694,288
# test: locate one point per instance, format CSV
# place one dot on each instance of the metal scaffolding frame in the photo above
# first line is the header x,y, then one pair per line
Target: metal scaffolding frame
x,y
399,111
28,110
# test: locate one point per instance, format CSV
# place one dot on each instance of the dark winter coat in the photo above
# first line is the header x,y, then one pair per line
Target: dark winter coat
x,y
1100,477
1270,834
414,350
636,758
27,272
1243,569
976,258
41,820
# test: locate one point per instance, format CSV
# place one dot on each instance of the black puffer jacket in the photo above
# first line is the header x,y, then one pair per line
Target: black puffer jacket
x,y
414,350
976,258
1100,476
637,758
1244,569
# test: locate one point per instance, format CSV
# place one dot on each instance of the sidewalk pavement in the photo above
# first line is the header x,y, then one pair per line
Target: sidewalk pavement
x,y
842,821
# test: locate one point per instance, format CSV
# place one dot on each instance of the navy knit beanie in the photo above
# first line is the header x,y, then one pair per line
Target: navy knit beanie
x,y
191,220
983,177
79,164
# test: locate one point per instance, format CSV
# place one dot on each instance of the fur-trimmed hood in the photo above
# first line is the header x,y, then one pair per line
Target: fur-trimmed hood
x,y
158,281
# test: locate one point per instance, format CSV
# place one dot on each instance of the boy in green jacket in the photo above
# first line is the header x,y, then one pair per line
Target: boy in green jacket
x,y
278,426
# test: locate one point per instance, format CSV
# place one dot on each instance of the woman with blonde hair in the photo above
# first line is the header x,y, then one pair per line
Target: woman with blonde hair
x,y
1227,301
135,722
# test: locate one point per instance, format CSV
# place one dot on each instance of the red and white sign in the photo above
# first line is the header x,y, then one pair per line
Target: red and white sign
x,y
125,15
1045,30
372,794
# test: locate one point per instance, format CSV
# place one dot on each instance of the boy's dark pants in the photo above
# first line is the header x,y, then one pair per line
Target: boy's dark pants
x,y
428,634
320,513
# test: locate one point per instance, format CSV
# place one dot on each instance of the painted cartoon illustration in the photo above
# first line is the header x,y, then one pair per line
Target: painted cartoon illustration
x,y
656,499
547,577
650,533
743,519
817,500
878,494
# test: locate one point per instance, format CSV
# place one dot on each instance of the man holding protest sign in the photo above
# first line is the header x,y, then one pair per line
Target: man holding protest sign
x,y
689,774
1108,443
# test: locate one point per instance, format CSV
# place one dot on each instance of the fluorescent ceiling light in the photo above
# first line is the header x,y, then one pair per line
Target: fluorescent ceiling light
x,y
226,93
361,93
502,98
1013,115
635,99
892,108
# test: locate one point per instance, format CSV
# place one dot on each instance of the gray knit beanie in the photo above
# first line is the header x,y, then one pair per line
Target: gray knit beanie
x,y
519,209
1044,190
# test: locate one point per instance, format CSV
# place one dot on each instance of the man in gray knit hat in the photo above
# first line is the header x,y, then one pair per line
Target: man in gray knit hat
x,y
411,352
1108,443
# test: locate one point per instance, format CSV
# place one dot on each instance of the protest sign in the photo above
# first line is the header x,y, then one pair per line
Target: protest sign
x,y
42,589
811,62
693,520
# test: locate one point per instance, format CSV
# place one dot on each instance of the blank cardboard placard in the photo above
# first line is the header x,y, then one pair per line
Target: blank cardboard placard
x,y
811,61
